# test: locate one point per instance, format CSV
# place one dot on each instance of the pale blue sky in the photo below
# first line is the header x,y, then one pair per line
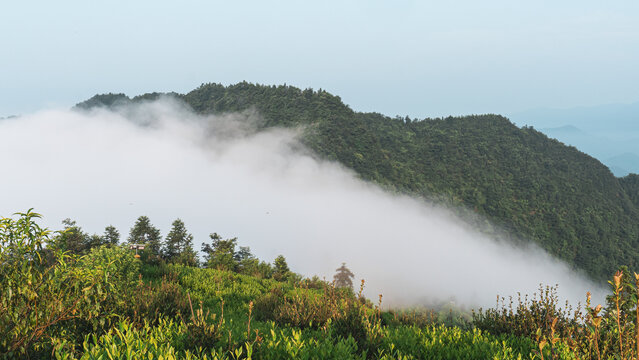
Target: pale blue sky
x,y
425,58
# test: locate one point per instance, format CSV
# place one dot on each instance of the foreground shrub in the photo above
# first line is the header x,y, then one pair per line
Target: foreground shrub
x,y
42,289
597,332
149,302
303,307
442,342
528,315
122,267
204,331
125,341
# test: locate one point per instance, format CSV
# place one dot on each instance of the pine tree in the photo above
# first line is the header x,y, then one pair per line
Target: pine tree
x,y
344,277
281,268
111,235
246,261
143,232
188,256
175,240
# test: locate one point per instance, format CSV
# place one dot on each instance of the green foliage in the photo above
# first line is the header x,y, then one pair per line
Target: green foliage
x,y
93,307
440,342
72,238
302,308
282,272
204,331
178,247
104,100
111,235
54,304
188,257
149,302
154,96
598,332
76,241
214,285
630,183
523,182
163,341
143,232
45,292
248,264
528,316
221,253
118,262
295,344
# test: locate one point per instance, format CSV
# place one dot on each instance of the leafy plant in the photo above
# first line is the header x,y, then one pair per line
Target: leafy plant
x,y
42,289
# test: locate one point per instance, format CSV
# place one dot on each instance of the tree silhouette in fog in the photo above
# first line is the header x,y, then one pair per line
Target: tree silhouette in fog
x,y
344,277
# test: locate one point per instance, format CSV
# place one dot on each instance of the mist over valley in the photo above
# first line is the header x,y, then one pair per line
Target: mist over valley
x,y
219,173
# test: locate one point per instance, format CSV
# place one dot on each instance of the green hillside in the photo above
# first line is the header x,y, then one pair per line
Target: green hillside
x,y
529,185
631,184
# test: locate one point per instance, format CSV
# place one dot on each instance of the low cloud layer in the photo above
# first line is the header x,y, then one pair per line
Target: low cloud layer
x,y
218,175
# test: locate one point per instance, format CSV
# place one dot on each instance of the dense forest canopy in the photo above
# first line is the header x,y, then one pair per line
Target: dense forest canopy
x,y
527,184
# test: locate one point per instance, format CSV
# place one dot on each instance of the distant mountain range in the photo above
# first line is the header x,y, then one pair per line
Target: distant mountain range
x,y
610,133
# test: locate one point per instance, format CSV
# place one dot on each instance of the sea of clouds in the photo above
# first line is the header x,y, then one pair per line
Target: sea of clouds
x,y
219,174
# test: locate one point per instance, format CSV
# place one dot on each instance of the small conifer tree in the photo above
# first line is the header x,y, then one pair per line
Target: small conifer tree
x,y
178,243
143,232
282,271
111,235
344,277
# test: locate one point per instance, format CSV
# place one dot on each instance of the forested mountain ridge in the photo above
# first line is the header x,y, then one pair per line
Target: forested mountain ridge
x,y
631,184
532,186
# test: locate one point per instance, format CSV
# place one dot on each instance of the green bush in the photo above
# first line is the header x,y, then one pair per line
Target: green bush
x,y
119,262
126,341
304,307
442,342
149,302
44,293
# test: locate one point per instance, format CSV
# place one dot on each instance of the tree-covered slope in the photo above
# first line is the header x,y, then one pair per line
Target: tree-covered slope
x,y
535,187
631,184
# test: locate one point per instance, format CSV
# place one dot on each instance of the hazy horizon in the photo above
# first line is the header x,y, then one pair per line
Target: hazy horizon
x,y
422,59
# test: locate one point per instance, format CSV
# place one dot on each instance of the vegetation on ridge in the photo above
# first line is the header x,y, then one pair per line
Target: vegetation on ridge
x,y
529,185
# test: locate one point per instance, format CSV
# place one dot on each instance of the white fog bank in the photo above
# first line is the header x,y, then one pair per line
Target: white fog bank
x,y
218,175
